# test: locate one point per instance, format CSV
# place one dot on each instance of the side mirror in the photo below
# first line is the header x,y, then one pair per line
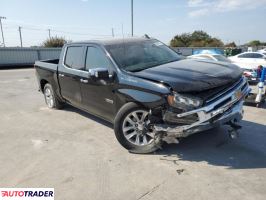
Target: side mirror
x,y
99,73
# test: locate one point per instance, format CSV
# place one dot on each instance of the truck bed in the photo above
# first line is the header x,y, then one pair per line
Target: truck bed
x,y
47,64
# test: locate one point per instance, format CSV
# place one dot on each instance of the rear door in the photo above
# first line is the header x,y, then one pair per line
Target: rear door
x,y
69,74
97,94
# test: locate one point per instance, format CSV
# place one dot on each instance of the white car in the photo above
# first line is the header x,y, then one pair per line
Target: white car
x,y
249,60
215,57
262,51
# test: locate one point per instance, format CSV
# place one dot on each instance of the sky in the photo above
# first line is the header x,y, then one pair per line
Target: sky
x,y
229,20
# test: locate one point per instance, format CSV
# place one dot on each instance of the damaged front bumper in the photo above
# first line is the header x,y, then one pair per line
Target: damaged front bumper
x,y
225,108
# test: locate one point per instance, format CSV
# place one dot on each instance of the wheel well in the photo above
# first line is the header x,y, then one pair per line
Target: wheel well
x,y
43,83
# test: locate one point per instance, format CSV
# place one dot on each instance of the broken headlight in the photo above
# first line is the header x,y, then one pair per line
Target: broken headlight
x,y
184,102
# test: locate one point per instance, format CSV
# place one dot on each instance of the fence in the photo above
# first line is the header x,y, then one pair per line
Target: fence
x,y
16,56
26,56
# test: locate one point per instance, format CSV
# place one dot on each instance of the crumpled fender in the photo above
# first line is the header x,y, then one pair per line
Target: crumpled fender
x,y
147,99
148,93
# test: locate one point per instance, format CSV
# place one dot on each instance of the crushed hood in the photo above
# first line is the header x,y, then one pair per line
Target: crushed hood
x,y
193,75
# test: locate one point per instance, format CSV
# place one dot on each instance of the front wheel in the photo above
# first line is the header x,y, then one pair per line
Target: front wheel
x,y
134,131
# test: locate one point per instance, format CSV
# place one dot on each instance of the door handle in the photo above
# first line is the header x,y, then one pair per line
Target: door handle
x,y
61,75
83,80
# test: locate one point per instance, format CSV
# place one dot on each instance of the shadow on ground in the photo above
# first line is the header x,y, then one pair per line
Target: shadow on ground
x,y
253,104
70,108
214,146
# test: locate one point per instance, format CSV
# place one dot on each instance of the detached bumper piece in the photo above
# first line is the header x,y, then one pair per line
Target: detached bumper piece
x,y
224,108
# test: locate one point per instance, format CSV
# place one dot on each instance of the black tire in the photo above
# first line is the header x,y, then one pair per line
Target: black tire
x,y
118,129
52,102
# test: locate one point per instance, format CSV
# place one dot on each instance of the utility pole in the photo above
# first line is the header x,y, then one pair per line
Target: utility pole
x,y
2,30
122,29
132,19
19,29
113,34
49,32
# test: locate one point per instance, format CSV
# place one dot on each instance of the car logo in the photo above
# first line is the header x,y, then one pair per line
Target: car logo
x,y
238,94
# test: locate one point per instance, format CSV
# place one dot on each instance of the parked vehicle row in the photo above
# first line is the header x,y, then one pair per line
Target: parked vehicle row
x,y
249,60
214,57
262,51
145,89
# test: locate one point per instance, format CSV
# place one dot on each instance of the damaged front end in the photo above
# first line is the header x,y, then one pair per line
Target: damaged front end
x,y
225,108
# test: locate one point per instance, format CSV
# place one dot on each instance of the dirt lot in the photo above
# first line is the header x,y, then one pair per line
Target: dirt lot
x,y
78,154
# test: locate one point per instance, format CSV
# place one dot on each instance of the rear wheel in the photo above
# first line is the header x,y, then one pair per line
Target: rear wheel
x,y
134,131
50,97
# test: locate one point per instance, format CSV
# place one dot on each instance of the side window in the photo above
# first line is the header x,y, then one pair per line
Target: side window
x,y
256,55
246,55
74,57
96,58
250,55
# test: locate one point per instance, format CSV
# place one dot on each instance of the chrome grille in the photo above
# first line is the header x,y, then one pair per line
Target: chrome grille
x,y
224,100
228,90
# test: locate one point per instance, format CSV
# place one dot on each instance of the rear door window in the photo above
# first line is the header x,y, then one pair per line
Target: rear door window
x,y
256,55
246,55
74,57
250,55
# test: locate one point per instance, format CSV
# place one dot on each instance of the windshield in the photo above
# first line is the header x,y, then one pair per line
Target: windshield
x,y
221,58
139,55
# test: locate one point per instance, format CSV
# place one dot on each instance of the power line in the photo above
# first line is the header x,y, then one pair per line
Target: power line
x,y
34,29
60,31
74,33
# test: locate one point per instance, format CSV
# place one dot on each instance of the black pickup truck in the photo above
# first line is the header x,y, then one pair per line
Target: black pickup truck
x,y
145,89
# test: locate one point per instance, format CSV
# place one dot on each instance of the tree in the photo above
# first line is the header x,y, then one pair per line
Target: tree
x,y
214,42
231,44
54,42
199,36
181,40
255,43
195,39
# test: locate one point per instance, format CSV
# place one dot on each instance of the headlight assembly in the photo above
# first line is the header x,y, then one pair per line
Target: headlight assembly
x,y
184,102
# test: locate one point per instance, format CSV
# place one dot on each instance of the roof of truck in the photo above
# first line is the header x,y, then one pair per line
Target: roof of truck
x,y
113,41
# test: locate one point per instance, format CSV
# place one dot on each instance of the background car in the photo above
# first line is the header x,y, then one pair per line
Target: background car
x,y
249,60
207,51
215,57
262,51
251,75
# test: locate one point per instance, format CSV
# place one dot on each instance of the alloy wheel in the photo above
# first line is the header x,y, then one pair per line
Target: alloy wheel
x,y
49,97
136,128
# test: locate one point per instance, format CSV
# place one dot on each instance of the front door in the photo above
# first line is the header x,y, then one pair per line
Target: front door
x,y
97,95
